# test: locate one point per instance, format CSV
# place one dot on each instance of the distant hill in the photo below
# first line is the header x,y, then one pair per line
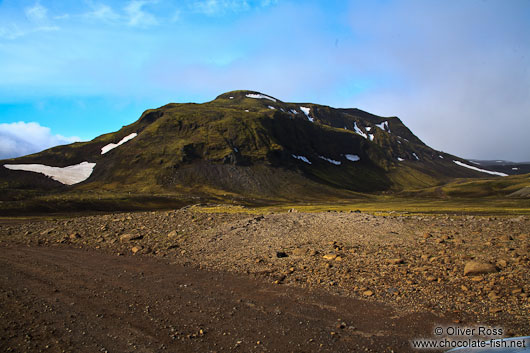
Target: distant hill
x,y
511,168
246,144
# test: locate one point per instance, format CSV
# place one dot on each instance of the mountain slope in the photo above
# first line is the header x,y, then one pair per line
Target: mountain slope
x,y
511,168
249,144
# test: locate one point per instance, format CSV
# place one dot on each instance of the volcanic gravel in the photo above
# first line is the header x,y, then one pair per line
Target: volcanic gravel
x,y
410,263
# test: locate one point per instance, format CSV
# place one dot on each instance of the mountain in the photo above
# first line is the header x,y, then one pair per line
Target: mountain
x,y
511,168
242,144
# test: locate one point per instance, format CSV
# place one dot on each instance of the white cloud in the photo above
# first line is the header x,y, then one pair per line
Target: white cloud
x,y
133,14
11,31
21,138
62,17
214,7
176,16
37,21
137,16
47,29
36,13
103,12
265,3
453,85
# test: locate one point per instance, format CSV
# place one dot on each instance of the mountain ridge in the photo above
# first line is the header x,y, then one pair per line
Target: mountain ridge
x,y
508,167
254,145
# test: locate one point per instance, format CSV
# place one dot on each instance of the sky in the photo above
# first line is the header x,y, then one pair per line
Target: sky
x,y
457,73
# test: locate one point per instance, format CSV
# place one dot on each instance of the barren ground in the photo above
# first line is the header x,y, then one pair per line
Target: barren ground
x,y
328,281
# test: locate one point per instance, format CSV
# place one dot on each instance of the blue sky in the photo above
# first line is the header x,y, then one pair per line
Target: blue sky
x,y
456,72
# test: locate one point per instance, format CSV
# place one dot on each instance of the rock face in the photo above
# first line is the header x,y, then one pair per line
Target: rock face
x,y
478,268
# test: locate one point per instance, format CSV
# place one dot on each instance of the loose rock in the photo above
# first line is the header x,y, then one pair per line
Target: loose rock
x,y
478,268
129,237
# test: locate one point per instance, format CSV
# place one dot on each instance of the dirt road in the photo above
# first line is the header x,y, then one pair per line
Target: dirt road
x,y
61,299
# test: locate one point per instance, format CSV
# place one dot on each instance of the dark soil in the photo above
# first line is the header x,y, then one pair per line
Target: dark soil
x,y
73,300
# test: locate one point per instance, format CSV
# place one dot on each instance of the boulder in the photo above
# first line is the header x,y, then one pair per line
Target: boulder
x,y
129,237
478,268
135,249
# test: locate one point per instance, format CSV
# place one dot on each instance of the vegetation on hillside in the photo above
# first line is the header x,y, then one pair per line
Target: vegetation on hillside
x,y
255,150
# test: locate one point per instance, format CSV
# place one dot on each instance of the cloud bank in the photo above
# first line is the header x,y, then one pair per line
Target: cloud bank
x,y
21,138
458,73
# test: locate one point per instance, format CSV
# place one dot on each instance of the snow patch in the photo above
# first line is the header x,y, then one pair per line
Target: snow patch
x,y
400,159
236,150
383,126
112,146
332,161
415,156
399,142
514,168
271,107
70,175
352,157
306,112
368,128
294,111
478,169
246,110
345,128
302,158
260,96
359,131
442,157
371,137
231,97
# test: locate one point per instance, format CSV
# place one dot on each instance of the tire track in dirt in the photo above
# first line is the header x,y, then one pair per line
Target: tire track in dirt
x,y
65,299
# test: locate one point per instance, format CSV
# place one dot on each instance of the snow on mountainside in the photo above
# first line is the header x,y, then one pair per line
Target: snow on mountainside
x,y
506,167
305,110
478,169
260,96
112,146
67,175
72,174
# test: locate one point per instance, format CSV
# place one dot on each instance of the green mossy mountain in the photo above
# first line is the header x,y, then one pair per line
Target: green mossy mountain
x,y
241,145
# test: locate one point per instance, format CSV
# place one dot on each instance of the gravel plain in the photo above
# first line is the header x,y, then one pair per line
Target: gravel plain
x,y
411,263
